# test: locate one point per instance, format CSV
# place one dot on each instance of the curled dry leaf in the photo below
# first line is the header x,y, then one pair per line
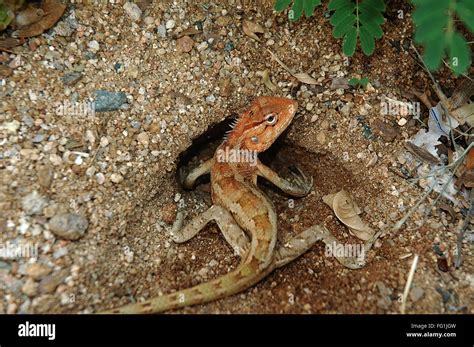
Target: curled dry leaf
x,y
421,153
267,81
347,211
53,10
252,29
29,16
188,32
470,159
5,71
300,76
10,42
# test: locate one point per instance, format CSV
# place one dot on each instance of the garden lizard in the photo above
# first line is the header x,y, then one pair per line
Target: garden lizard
x,y
243,213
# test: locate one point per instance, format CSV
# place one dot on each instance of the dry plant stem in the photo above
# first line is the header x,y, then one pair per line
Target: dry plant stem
x,y
445,104
456,164
408,284
458,259
442,97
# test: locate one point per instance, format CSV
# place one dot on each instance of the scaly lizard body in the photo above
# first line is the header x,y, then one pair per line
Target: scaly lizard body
x,y
241,210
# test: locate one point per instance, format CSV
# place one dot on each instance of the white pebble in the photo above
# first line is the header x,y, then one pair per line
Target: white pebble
x,y
133,11
100,177
116,178
402,122
93,45
170,24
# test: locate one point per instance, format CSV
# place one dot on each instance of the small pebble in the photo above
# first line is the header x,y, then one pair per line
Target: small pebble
x,y
69,226
71,78
170,24
116,178
161,30
30,288
36,270
100,178
33,203
93,45
109,101
402,122
133,11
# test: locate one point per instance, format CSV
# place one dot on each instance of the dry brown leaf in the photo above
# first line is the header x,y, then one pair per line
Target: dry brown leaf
x,y
10,42
302,76
448,208
53,10
5,71
251,29
470,159
347,211
188,32
421,153
464,113
29,16
267,81
305,78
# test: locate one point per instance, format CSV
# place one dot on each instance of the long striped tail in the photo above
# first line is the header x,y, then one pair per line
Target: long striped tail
x,y
245,276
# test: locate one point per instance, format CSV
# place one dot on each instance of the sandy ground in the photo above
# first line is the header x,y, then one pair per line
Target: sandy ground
x,y
116,171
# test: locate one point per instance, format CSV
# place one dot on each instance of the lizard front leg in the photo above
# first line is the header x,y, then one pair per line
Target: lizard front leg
x,y
300,186
202,169
233,234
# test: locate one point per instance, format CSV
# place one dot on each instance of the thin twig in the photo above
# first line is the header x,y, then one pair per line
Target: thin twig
x,y
408,284
454,164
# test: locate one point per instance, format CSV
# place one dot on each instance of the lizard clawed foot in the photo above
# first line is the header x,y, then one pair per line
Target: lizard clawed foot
x,y
300,181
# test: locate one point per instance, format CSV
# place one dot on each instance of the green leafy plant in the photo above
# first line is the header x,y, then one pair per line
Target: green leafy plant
x,y
6,16
361,19
299,6
435,30
356,82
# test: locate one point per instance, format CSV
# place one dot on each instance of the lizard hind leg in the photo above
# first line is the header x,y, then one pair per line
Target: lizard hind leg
x,y
233,234
303,242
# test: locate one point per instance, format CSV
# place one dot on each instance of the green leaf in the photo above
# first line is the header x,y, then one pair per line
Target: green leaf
x,y
376,4
372,13
353,82
424,34
337,4
281,5
434,53
6,16
296,11
466,14
459,54
374,29
421,16
308,8
344,26
367,17
364,81
339,15
350,42
366,41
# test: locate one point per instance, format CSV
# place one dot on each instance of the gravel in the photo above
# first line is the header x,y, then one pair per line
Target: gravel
x,y
69,226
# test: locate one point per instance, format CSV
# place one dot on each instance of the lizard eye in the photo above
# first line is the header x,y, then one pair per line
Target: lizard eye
x,y
271,119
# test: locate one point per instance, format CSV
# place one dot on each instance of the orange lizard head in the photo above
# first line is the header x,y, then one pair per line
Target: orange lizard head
x,y
259,126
